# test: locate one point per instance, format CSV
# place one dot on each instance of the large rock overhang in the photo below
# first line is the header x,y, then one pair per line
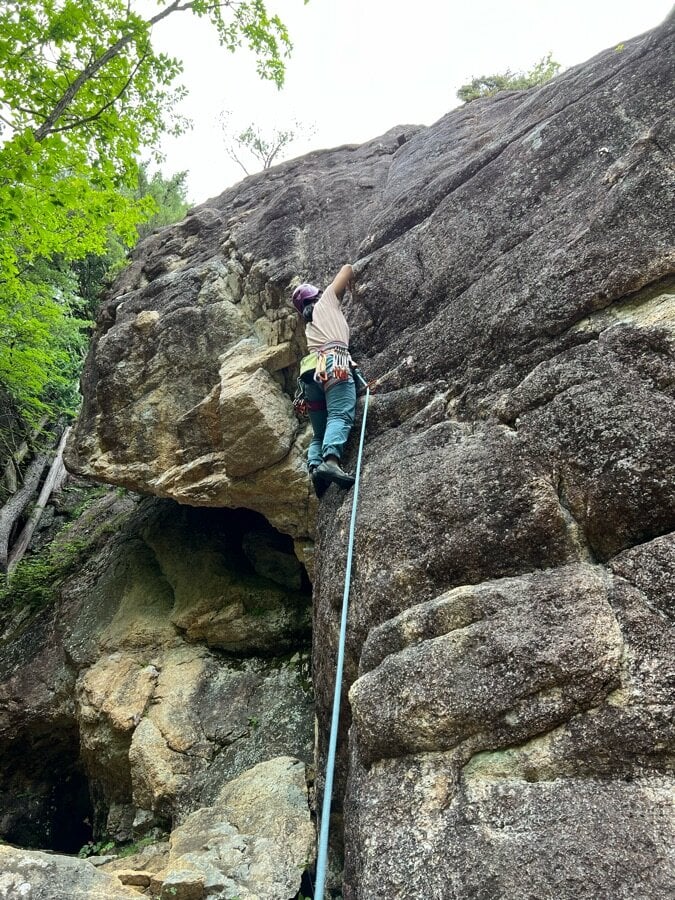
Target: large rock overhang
x,y
188,384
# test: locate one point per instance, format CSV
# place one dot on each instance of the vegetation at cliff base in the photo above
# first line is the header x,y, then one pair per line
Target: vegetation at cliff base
x,y
488,85
36,582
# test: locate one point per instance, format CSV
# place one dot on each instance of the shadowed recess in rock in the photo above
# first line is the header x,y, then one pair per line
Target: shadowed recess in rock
x,y
173,659
44,793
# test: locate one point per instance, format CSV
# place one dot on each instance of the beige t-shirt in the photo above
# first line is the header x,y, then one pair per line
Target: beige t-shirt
x,y
328,322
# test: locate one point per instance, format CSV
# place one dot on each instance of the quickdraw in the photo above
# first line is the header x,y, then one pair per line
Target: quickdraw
x,y
302,406
333,363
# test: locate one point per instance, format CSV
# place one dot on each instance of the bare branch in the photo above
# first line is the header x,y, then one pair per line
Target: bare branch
x,y
269,159
169,10
178,7
233,156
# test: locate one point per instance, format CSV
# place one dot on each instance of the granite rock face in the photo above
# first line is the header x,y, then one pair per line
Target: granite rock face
x,y
173,662
507,712
189,382
46,876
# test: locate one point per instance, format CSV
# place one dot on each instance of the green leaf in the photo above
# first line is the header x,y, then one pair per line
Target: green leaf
x,y
83,94
488,85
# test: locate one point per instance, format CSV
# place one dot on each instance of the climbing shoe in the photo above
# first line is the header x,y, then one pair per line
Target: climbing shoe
x,y
331,472
319,484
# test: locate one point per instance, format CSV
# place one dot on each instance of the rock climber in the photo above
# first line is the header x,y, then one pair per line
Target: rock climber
x,y
326,378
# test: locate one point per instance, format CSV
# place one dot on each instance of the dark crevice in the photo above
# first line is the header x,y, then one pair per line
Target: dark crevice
x,y
640,543
45,801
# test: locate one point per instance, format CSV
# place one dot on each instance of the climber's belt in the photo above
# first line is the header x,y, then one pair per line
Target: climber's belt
x,y
327,365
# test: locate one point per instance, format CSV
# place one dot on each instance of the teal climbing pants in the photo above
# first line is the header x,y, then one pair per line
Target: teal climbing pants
x,y
331,426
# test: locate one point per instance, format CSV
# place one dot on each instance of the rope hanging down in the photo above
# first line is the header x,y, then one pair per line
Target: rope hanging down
x,y
322,853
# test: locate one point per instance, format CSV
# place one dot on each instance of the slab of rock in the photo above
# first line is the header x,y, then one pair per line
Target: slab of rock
x,y
253,843
32,875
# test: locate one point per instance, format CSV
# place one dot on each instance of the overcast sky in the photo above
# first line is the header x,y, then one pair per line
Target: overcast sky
x,y
361,67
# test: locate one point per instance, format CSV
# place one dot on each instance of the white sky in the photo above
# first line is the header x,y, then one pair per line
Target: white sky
x,y
361,67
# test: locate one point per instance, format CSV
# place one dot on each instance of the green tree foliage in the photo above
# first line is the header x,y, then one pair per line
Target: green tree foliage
x,y
488,85
82,92
169,196
169,201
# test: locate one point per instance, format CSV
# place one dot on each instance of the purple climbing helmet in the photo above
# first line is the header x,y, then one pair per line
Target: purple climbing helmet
x,y
303,294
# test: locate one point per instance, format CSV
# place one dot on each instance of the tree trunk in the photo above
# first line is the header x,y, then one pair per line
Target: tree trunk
x,y
53,481
11,473
16,504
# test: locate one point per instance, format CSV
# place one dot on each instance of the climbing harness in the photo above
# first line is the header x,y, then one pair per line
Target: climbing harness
x,y
329,365
322,853
333,363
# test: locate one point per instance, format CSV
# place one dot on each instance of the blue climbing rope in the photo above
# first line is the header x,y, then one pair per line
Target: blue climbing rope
x,y
322,853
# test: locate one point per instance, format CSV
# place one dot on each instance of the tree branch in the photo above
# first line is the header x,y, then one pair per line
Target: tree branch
x,y
29,112
169,10
97,63
71,92
177,7
94,66
233,156
75,123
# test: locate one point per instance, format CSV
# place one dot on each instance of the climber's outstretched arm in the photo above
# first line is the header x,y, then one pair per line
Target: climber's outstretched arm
x,y
343,280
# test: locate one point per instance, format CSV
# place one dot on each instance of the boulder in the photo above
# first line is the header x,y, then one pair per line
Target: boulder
x,y
254,842
32,875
